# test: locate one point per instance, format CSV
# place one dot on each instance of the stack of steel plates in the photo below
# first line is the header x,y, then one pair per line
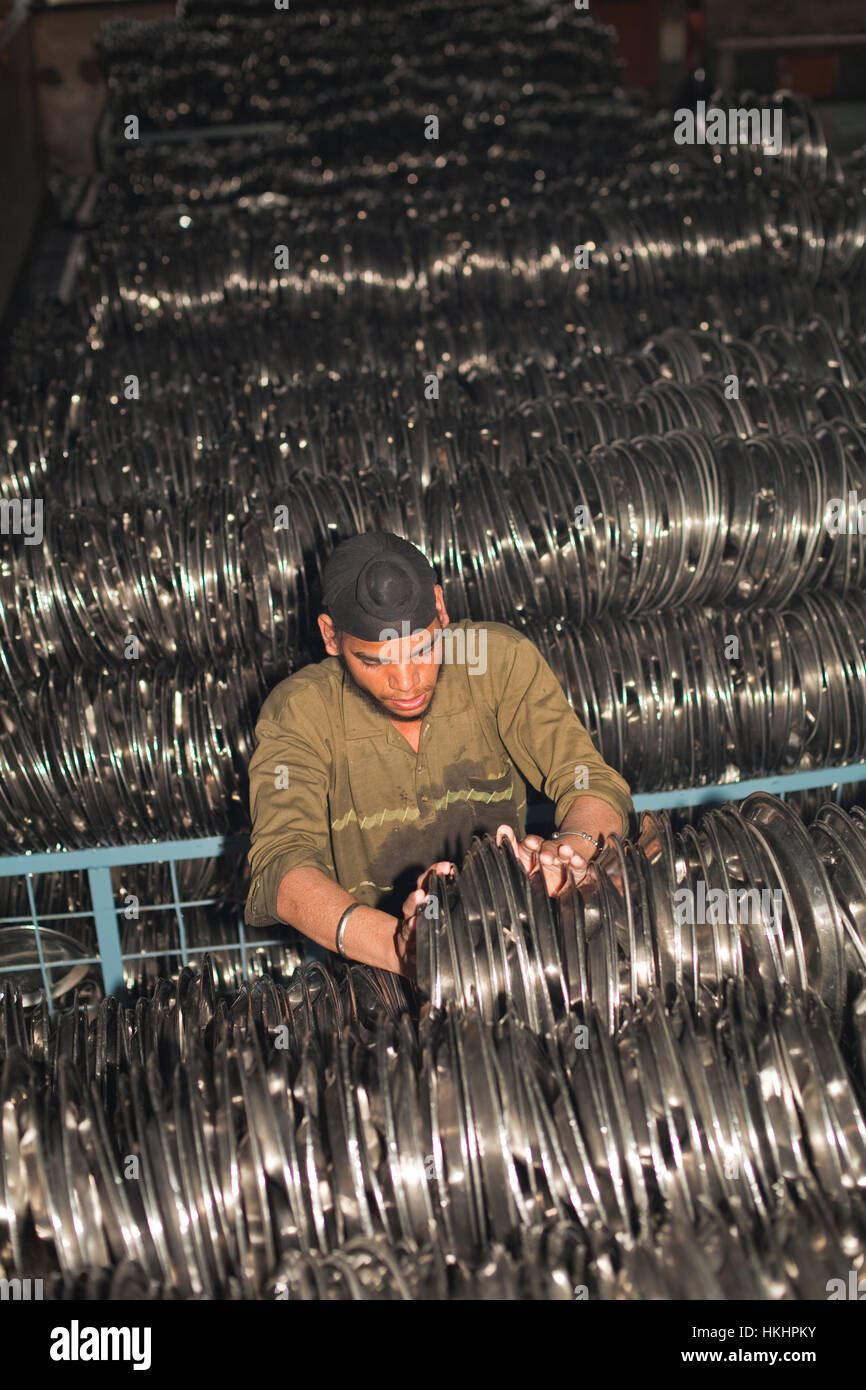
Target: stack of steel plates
x,y
604,1097
612,385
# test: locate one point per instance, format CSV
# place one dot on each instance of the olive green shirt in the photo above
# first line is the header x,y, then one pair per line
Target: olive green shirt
x,y
335,785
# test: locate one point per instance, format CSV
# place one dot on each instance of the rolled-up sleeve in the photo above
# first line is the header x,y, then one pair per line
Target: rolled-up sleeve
x,y
289,782
547,741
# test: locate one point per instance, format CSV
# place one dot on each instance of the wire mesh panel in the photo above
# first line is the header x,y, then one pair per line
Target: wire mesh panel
x,y
105,920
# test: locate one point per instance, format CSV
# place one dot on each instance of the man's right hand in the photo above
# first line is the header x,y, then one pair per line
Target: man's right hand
x,y
405,938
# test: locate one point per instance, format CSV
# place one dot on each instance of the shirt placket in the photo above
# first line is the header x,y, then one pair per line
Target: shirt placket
x,y
421,780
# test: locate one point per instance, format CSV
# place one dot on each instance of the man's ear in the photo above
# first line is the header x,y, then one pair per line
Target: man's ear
x,y
329,635
441,610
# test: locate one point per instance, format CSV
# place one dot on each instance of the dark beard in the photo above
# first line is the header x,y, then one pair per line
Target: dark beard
x,y
372,703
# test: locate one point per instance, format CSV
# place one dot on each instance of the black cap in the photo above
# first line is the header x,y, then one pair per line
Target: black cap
x,y
377,581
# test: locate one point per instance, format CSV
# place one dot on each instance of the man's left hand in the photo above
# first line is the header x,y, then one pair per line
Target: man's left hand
x,y
560,863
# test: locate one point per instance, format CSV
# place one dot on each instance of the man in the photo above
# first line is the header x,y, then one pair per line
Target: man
x,y
375,767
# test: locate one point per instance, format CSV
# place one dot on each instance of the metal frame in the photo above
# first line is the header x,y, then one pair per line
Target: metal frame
x,y
100,861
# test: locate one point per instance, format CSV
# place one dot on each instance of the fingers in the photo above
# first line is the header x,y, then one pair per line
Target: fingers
x,y
559,861
554,878
526,850
577,870
415,900
405,946
557,852
442,866
504,832
561,865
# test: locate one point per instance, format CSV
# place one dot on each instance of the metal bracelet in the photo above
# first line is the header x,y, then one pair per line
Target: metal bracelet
x,y
558,834
341,928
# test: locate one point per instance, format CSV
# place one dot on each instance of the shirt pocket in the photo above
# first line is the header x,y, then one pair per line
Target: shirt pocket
x,y
491,781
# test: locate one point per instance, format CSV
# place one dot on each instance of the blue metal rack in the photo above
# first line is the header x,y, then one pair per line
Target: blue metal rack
x,y
99,862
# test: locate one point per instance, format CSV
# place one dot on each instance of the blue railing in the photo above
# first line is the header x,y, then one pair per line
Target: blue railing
x,y
98,863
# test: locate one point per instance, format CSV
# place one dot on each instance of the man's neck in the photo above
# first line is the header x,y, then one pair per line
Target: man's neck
x,y
410,729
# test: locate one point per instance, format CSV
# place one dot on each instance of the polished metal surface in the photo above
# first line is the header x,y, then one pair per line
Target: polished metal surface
x,y
158,749
663,1117
598,1097
789,911
584,473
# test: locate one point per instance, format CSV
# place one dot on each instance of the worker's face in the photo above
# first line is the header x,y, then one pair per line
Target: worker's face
x,y
399,675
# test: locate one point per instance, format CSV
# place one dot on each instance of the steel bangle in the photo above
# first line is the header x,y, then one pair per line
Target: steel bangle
x,y
341,928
